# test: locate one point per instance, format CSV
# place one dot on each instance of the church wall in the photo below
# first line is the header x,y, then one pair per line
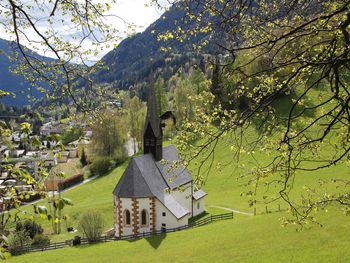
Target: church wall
x,y
115,205
183,196
135,206
145,204
169,219
126,203
198,206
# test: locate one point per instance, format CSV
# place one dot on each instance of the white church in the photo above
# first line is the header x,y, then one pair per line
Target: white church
x,y
152,194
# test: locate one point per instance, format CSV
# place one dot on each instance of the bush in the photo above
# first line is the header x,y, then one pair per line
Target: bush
x,y
76,241
41,240
100,165
83,158
71,135
73,180
31,227
87,173
17,240
91,224
30,198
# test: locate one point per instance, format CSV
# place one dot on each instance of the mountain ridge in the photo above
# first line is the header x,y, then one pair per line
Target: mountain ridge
x,y
132,61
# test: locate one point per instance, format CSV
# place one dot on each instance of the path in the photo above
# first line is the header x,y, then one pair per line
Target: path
x,y
232,210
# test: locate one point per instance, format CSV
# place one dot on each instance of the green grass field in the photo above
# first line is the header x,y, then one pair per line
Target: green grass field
x,y
259,238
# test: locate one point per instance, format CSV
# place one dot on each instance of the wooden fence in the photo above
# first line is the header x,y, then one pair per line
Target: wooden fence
x,y
83,241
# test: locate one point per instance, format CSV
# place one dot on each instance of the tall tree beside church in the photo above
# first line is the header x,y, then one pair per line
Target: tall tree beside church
x,y
109,134
161,94
304,47
136,112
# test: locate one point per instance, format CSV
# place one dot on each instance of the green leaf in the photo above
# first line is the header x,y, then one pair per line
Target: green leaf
x,y
41,209
67,201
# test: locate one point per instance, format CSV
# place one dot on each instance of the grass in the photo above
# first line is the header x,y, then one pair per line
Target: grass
x,y
70,168
258,238
244,239
96,194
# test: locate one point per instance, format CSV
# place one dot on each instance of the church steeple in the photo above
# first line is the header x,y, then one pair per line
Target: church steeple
x,y
153,135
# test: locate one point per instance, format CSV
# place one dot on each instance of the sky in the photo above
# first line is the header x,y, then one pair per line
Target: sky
x,y
137,12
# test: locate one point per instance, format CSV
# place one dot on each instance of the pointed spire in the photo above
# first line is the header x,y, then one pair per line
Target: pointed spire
x,y
153,136
152,116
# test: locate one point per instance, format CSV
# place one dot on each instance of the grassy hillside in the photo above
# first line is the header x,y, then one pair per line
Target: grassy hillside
x,y
247,238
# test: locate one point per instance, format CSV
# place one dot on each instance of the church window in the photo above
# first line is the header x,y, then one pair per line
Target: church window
x,y
164,214
127,217
198,205
144,218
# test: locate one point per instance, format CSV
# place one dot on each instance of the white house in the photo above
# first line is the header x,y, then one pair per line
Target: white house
x,y
155,192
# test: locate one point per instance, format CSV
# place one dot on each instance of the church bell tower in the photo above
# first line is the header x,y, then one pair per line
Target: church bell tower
x,y
153,135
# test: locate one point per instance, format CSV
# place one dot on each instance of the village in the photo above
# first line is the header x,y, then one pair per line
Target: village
x,y
44,156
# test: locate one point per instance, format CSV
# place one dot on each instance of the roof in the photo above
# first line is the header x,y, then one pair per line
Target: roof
x,y
172,169
144,177
152,117
198,194
175,208
133,182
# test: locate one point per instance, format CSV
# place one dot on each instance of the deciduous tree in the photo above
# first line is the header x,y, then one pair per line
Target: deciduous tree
x,y
296,50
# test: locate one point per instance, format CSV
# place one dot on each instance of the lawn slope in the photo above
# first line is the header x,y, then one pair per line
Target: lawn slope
x,y
259,238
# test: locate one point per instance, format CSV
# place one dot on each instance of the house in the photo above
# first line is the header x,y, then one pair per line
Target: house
x,y
49,128
2,152
73,152
155,192
62,157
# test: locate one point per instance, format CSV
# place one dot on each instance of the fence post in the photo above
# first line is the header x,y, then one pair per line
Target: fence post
x,y
255,211
267,211
279,207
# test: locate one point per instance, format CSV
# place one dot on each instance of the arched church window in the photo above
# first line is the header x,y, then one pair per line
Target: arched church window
x,y
144,218
127,217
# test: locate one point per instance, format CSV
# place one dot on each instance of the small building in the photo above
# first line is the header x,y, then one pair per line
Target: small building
x,y
155,192
15,153
73,151
3,150
62,157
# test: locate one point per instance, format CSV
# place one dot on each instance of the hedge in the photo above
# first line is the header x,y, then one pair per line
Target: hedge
x,y
73,180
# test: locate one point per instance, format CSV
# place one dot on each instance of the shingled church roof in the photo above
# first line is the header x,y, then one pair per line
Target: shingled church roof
x,y
145,177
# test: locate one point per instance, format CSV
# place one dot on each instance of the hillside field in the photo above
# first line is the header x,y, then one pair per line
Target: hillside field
x,y
246,238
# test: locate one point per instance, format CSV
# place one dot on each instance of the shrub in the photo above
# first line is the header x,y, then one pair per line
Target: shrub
x,y
73,180
100,165
31,227
76,241
71,135
41,240
30,198
83,158
91,224
87,173
17,240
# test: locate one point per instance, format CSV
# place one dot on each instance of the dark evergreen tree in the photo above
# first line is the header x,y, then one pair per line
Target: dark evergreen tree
x,y
83,159
202,65
216,85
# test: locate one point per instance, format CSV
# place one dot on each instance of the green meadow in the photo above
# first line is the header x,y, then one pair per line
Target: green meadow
x,y
246,238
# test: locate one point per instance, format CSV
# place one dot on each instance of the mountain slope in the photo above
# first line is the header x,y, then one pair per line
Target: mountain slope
x,y
12,82
131,62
